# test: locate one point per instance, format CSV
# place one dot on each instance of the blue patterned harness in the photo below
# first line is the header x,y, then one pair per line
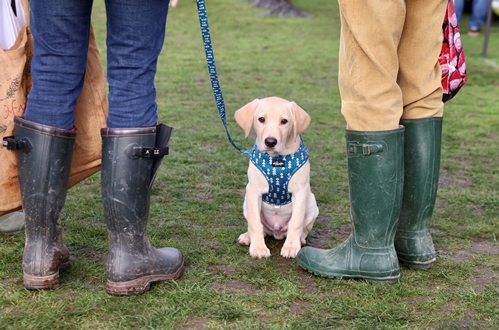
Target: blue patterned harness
x,y
278,171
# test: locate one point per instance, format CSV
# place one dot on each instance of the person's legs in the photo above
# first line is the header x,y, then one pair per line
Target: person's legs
x,y
369,64
133,263
44,156
413,241
372,105
61,32
375,178
45,136
478,16
419,75
419,80
459,8
135,36
136,31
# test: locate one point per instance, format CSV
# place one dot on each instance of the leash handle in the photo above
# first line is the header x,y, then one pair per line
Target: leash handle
x,y
212,70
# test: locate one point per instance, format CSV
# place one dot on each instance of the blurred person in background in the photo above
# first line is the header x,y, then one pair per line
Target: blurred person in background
x,y
479,10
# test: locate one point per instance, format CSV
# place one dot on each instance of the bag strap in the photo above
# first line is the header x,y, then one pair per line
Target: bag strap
x,y
212,70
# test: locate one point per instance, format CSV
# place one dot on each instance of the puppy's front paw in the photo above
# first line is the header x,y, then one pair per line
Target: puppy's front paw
x,y
290,251
244,239
259,252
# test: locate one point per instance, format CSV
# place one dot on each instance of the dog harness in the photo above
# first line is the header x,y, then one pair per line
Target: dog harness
x,y
278,171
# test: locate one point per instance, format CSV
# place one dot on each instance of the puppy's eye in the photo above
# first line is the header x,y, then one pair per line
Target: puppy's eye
x,y
284,121
261,120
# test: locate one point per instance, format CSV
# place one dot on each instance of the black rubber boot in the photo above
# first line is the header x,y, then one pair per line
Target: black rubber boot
x,y
44,160
375,176
133,263
413,240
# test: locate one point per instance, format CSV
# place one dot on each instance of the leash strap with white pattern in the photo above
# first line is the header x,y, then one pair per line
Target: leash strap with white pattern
x,y
212,70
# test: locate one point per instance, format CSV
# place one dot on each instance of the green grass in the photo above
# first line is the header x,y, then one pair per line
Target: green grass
x,y
197,198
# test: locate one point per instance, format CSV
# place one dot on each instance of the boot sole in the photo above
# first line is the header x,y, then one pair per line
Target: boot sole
x,y
48,282
418,266
141,284
382,280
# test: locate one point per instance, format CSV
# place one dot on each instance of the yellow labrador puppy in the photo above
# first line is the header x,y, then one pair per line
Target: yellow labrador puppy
x,y
278,200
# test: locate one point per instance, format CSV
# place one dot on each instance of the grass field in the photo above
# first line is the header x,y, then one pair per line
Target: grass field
x,y
198,194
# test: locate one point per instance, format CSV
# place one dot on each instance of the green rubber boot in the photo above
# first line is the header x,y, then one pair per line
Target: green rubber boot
x,y
376,172
44,161
133,263
422,143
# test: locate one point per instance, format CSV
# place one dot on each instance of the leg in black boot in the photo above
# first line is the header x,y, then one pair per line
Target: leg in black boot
x,y
44,161
133,263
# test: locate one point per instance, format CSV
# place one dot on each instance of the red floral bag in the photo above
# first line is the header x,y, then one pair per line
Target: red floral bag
x,y
451,57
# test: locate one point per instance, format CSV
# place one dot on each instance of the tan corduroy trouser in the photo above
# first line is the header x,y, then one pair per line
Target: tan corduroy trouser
x,y
388,61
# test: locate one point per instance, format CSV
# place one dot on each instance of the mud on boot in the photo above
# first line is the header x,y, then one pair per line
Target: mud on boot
x,y
128,170
44,156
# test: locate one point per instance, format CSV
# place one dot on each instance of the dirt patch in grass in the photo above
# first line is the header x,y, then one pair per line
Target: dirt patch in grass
x,y
297,307
484,246
307,279
229,285
478,246
454,180
324,238
463,324
222,268
9,281
452,315
195,323
89,254
449,321
462,256
233,285
285,265
483,275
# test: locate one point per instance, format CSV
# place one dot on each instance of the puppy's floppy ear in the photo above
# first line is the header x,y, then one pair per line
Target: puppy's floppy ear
x,y
244,116
301,119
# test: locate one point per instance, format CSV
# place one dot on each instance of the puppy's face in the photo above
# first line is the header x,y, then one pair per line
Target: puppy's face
x,y
277,123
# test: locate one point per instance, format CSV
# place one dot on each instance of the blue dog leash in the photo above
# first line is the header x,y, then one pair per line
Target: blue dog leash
x,y
212,70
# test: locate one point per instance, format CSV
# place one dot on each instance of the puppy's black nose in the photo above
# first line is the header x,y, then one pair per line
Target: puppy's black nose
x,y
270,142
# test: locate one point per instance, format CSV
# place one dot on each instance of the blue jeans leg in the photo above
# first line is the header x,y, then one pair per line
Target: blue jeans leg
x,y
459,7
135,37
479,12
61,31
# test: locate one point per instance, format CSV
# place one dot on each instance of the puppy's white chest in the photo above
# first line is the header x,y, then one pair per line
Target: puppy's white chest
x,y
276,219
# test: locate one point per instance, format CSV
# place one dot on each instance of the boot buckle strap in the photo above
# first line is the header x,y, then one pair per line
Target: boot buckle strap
x,y
11,143
134,151
365,149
